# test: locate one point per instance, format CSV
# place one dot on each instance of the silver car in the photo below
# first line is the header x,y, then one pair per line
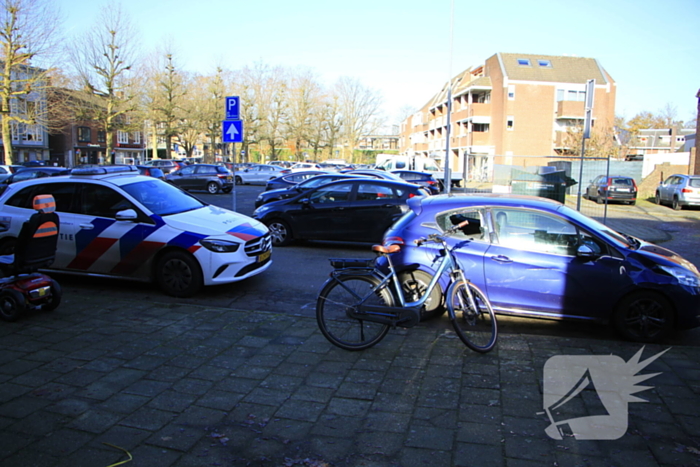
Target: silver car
x,y
678,191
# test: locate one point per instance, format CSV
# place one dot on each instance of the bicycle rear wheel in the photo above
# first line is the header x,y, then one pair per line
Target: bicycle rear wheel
x,y
476,327
334,302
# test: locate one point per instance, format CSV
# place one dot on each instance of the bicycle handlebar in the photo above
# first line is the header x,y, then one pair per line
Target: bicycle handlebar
x,y
439,238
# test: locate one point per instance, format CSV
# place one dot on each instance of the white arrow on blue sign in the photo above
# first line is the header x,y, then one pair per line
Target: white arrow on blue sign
x,y
232,131
233,108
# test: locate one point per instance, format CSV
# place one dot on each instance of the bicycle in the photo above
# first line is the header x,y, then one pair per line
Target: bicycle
x,y
358,304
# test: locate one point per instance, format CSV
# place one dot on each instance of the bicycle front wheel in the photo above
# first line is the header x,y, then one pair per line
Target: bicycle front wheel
x,y
474,320
337,299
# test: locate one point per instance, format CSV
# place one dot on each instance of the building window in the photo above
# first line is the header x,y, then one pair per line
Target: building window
x,y
136,136
480,127
101,137
510,123
544,63
511,92
571,95
84,135
122,137
524,62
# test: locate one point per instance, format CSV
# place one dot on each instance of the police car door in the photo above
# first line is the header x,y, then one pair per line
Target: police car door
x,y
102,244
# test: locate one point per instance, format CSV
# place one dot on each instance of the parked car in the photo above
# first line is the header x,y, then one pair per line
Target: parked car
x,y
259,174
373,173
209,177
537,258
287,180
30,172
115,222
612,188
166,165
304,166
294,190
355,210
679,191
7,170
424,179
150,171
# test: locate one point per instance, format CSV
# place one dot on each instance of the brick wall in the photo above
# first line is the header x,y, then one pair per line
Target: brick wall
x,y
647,188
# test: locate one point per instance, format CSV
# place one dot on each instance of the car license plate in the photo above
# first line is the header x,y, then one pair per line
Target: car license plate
x,y
229,178
264,256
623,189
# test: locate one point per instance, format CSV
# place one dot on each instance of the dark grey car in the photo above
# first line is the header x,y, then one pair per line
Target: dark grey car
x,y
209,177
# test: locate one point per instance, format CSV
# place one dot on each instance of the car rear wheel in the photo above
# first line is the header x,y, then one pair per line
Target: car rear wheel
x,y
644,316
239,180
600,199
657,198
414,284
213,188
675,204
178,274
280,232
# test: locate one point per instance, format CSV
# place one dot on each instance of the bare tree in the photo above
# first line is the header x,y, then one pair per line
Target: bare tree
x,y
191,122
305,107
28,29
360,108
103,58
212,111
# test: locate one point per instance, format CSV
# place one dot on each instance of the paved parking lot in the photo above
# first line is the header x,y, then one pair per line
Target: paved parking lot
x,y
173,383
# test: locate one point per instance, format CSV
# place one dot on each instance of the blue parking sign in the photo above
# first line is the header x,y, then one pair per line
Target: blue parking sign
x,y
233,108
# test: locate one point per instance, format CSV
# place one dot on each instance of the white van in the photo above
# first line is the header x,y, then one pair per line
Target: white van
x,y
419,163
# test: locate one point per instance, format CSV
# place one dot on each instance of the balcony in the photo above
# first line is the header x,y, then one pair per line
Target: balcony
x,y
571,109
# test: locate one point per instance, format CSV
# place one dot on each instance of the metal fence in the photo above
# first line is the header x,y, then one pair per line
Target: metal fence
x,y
562,178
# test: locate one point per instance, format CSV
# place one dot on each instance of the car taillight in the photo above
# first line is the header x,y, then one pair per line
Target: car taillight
x,y
687,190
222,175
431,182
394,241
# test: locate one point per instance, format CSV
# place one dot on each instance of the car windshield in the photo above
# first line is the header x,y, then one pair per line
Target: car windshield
x,y
595,226
162,198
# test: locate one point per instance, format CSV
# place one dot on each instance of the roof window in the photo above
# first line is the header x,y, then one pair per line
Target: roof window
x,y
544,63
524,62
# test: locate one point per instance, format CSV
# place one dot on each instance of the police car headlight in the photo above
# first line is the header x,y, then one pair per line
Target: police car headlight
x,y
219,246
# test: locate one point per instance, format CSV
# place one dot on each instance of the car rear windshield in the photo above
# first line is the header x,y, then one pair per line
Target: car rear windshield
x,y
221,170
622,181
161,198
694,182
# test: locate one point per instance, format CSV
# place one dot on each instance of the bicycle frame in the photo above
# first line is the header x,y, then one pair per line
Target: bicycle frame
x,y
409,311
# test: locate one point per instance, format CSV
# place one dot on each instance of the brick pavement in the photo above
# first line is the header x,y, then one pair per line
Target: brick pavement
x,y
181,385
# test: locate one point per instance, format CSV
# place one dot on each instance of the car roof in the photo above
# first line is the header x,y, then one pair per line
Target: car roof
x,y
449,201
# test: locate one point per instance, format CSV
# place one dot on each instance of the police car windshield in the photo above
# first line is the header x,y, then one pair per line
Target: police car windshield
x,y
162,198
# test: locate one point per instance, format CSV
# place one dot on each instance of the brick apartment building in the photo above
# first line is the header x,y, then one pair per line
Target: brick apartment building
x,y
512,106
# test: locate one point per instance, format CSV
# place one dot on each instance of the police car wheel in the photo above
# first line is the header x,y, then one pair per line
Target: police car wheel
x,y
7,246
11,304
179,274
213,188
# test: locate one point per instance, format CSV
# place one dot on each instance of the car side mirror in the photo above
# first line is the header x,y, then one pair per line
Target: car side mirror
x,y
585,251
128,215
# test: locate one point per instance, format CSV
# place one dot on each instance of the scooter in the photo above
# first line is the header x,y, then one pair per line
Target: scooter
x,y
23,288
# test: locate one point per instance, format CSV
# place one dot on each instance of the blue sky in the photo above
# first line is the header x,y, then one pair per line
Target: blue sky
x,y
402,48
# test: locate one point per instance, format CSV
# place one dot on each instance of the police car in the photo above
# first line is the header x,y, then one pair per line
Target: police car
x,y
117,223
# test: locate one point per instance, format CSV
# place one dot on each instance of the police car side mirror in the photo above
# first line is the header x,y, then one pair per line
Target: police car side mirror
x,y
127,215
585,251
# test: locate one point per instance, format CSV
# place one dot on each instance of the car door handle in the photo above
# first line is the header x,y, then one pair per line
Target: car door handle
x,y
501,259
87,226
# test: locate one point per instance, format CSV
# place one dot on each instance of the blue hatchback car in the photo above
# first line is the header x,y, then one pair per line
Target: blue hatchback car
x,y
537,258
